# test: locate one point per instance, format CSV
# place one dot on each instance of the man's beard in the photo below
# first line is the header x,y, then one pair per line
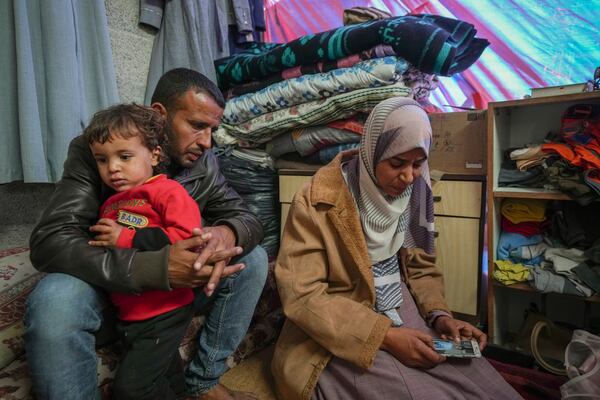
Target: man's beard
x,y
170,145
171,163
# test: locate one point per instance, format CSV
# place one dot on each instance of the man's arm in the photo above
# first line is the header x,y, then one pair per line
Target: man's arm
x,y
59,243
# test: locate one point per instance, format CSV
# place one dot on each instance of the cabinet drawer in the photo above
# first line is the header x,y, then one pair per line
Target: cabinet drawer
x,y
289,185
457,249
457,198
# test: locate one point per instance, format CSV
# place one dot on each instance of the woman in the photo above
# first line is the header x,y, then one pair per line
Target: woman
x,y
355,263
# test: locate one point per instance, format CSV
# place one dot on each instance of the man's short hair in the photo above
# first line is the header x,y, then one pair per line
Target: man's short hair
x,y
176,82
127,121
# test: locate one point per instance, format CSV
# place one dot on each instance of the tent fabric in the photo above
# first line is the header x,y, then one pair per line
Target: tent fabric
x,y
534,43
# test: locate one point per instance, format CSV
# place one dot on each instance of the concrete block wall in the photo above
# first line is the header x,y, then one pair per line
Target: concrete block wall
x,y
131,47
21,206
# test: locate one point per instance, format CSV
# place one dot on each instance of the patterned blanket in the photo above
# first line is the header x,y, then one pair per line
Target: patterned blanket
x,y
370,73
432,43
265,127
295,72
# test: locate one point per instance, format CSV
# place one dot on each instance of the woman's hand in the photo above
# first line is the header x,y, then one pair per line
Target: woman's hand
x,y
108,232
411,347
454,329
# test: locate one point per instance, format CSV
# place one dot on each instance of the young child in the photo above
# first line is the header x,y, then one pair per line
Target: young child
x,y
147,212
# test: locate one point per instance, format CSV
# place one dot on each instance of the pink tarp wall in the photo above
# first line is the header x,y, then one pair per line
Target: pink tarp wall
x,y
534,43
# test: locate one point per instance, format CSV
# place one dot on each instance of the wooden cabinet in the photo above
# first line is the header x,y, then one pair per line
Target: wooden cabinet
x,y
458,225
458,203
513,124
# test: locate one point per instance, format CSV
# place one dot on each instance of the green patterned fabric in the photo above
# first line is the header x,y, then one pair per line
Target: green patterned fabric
x,y
433,44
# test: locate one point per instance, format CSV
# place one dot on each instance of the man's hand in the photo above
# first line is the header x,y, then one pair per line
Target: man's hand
x,y
108,232
217,239
186,271
411,347
454,329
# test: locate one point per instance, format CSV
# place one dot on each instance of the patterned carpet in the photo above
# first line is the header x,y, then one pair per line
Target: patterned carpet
x,y
18,278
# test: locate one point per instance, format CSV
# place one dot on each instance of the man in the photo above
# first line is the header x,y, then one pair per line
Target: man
x,y
68,308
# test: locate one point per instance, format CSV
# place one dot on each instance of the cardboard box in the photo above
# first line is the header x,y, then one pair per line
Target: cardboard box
x,y
459,142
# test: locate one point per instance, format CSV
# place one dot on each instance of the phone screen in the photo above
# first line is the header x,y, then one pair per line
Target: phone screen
x,y
465,349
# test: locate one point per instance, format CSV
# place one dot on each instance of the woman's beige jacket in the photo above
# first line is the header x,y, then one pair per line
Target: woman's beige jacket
x,y
325,282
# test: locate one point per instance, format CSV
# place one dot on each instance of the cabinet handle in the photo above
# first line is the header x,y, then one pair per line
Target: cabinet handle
x,y
436,234
437,199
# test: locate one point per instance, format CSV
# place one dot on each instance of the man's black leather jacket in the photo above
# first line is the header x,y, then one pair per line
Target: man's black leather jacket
x,y
59,243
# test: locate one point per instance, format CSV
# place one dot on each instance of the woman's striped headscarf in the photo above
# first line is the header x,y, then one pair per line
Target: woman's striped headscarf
x,y
395,126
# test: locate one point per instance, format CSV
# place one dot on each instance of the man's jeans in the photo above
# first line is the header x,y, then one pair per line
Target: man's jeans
x,y
64,314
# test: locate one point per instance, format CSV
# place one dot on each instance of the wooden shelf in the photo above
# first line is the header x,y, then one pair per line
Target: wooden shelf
x,y
515,124
528,288
530,193
306,171
561,98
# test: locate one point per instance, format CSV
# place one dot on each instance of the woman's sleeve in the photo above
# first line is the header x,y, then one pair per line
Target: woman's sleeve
x,y
348,329
425,281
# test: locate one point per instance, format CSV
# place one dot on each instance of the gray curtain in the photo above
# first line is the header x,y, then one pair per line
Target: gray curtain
x,y
56,70
193,33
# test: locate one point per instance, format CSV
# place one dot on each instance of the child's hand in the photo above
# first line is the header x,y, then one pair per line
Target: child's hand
x,y
108,232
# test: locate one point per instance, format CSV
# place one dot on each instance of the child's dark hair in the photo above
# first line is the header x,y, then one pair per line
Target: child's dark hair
x,y
127,121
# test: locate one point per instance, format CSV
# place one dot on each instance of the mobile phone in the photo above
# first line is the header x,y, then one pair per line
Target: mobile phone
x,y
463,349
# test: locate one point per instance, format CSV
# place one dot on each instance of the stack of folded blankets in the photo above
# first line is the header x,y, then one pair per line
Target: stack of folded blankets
x,y
309,98
553,247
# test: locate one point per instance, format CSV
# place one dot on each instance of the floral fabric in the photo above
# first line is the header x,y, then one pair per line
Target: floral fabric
x,y
376,72
265,127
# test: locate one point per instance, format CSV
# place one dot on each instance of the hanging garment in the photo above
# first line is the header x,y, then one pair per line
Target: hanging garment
x,y
246,21
56,72
192,35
